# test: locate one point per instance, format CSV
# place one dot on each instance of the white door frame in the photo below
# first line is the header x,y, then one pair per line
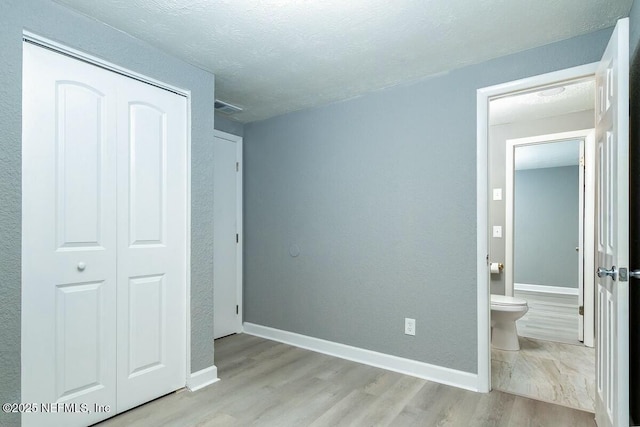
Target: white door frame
x,y
85,57
238,140
586,212
482,199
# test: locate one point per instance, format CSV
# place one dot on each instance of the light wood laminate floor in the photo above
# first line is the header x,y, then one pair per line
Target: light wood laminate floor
x,y
552,317
549,371
265,383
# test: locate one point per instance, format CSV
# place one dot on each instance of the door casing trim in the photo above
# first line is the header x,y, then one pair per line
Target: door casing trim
x,y
587,219
482,201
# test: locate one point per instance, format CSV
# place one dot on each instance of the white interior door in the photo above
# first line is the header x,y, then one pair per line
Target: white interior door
x,y
227,267
612,292
152,224
69,238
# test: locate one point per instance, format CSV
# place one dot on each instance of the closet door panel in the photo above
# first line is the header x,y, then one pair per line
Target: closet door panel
x,y
147,174
152,177
79,161
147,317
69,239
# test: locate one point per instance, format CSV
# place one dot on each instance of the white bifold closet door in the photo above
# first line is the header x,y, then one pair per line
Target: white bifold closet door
x,y
151,255
104,240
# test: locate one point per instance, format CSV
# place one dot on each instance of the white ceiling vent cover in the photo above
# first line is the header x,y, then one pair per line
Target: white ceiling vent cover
x,y
226,108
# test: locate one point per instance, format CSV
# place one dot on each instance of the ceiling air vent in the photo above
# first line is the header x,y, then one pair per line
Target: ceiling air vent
x,y
225,108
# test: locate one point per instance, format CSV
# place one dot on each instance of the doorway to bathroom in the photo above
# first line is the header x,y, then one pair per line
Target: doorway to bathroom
x,y
611,123
541,198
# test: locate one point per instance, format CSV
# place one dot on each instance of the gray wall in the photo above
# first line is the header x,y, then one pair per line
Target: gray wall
x,y
498,136
634,31
546,226
10,204
379,194
55,22
227,125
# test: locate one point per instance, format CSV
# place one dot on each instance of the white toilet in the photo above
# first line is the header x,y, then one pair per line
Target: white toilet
x,y
504,313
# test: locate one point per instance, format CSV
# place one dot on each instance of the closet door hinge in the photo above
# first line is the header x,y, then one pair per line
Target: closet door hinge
x,y
237,166
237,310
237,238
581,310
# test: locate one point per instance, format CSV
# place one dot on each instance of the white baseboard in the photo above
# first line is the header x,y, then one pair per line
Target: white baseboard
x,y
202,378
545,289
414,368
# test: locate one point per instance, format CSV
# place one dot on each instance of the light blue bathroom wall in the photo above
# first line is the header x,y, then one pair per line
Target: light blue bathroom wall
x,y
546,226
634,30
55,22
379,194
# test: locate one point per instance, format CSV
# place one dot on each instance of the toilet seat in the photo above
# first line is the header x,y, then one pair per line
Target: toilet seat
x,y
503,302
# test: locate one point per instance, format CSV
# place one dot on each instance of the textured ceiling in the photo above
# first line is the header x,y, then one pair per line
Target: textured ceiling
x,y
275,56
531,106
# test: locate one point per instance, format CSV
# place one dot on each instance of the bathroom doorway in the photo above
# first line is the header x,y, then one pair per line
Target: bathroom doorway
x,y
538,142
611,121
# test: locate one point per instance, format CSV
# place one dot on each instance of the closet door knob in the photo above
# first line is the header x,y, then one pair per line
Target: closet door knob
x,y
81,266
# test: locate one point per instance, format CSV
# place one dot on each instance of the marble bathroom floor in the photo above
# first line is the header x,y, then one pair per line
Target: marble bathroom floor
x,y
549,371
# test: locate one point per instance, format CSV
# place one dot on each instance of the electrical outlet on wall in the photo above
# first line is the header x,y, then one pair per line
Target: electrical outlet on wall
x,y
409,326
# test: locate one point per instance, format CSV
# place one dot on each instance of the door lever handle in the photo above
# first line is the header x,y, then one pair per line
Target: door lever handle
x,y
625,274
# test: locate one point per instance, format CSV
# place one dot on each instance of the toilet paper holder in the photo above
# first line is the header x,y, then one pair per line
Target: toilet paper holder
x,y
496,267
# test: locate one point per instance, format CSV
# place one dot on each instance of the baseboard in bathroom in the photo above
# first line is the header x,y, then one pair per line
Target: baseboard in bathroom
x,y
545,289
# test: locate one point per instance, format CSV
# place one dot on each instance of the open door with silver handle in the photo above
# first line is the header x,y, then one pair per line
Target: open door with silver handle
x,y
612,231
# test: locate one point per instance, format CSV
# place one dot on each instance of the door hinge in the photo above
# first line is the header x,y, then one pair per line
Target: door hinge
x,y
581,160
237,310
237,166
581,310
237,238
